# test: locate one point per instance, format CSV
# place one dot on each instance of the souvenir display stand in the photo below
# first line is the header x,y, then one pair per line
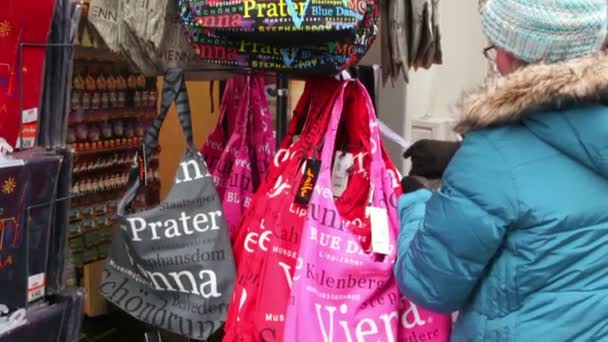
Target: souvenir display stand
x,y
267,200
35,302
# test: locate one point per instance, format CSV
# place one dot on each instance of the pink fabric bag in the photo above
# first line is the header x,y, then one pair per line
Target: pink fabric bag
x,y
239,145
216,142
340,291
237,189
261,137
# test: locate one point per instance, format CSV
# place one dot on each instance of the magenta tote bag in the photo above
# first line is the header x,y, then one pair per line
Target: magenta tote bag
x,y
233,172
340,291
262,141
217,140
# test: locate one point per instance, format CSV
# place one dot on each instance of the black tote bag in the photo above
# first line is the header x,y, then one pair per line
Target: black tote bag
x,y
172,266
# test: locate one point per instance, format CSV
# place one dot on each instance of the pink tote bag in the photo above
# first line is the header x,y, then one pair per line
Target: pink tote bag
x,y
341,292
237,189
261,137
261,290
254,144
216,142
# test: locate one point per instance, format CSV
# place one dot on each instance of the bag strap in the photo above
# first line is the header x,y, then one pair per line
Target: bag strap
x,y
244,108
312,110
174,90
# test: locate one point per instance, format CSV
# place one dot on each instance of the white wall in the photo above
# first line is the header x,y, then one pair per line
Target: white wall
x,y
434,92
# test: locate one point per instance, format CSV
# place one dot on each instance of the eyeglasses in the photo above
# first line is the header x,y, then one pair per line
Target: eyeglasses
x,y
490,52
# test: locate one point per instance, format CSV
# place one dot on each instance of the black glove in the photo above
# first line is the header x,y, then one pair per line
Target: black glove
x,y
414,183
430,158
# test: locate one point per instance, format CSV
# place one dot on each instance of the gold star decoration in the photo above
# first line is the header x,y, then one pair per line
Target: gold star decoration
x,y
5,28
9,185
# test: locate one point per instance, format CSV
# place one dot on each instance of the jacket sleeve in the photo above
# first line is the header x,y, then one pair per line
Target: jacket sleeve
x,y
447,239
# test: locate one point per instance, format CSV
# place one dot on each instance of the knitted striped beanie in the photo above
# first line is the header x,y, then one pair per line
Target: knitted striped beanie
x,y
546,30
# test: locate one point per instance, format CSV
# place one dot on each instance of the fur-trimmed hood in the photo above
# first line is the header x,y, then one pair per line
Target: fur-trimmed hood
x,y
581,80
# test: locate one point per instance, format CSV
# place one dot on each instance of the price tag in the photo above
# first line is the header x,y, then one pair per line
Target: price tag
x,y
142,162
311,173
35,286
29,115
380,230
339,176
27,138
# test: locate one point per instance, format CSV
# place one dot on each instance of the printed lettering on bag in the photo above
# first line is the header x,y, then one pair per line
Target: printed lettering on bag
x,y
283,9
186,168
143,4
289,55
241,303
321,11
190,258
257,239
411,320
346,49
239,180
287,271
105,14
337,243
204,308
249,47
171,55
222,20
205,285
278,188
344,12
147,308
170,228
336,323
215,52
282,155
232,197
330,218
363,329
395,176
411,317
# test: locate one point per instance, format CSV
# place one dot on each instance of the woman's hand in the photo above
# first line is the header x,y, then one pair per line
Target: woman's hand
x,y
415,183
430,158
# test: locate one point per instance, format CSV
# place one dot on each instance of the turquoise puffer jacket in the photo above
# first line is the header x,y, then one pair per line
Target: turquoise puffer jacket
x,y
516,239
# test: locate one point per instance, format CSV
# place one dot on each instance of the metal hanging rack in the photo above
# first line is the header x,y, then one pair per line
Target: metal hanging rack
x,y
282,86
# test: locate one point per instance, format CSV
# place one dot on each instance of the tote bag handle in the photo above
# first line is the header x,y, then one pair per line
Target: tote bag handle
x,y
174,90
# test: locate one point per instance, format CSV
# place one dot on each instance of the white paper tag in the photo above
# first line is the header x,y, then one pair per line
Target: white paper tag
x,y
380,230
370,197
25,143
339,176
36,286
29,115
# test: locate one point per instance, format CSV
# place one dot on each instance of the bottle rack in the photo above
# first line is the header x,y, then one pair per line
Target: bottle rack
x,y
110,109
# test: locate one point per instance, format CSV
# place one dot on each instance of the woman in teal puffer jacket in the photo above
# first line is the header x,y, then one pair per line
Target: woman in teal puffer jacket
x,y
516,238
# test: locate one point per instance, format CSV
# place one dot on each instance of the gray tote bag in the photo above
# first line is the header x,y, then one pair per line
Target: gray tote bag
x,y
172,266
151,35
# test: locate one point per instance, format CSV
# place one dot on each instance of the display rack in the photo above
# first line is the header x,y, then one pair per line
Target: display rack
x,y
282,95
110,108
